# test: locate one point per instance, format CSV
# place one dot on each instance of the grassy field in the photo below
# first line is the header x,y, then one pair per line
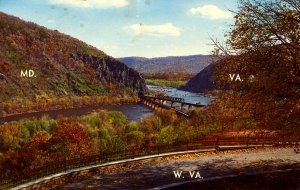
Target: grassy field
x,y
165,83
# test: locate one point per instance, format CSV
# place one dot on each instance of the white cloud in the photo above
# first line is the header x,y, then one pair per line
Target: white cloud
x,y
98,4
50,21
167,29
210,11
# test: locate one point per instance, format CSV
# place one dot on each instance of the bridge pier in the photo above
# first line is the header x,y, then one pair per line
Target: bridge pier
x,y
173,104
153,106
183,106
148,103
158,108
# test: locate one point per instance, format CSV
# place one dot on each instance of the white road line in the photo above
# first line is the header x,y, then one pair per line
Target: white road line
x,y
86,168
108,164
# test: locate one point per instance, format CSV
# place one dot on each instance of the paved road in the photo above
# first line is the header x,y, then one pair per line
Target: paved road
x,y
159,172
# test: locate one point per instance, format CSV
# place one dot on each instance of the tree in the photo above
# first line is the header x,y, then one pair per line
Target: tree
x,y
11,137
71,139
151,124
34,153
168,117
132,126
167,136
263,47
135,139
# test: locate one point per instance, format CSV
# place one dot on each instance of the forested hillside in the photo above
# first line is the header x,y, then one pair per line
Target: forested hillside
x,y
202,82
62,65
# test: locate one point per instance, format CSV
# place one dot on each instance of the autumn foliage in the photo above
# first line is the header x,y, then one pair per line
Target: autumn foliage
x,y
28,145
65,140
263,48
70,140
44,103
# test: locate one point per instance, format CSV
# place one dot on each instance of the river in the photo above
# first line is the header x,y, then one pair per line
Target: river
x,y
188,97
132,111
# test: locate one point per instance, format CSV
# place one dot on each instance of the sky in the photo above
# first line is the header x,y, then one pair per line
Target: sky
x,y
122,28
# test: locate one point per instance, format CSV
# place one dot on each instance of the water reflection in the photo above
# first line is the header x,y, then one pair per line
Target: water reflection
x,y
132,111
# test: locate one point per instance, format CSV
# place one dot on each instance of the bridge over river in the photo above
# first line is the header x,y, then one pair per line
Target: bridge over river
x,y
167,102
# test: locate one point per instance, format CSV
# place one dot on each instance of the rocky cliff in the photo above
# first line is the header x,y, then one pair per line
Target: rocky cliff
x,y
110,69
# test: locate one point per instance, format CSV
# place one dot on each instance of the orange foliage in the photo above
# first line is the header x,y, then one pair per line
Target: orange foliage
x,y
71,139
4,67
35,152
11,136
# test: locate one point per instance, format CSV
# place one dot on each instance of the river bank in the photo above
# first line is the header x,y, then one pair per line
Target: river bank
x,y
132,111
130,107
49,104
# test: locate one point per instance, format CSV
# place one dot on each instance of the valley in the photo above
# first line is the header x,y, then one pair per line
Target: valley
x,y
84,99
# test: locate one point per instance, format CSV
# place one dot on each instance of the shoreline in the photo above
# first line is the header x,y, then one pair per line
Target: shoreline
x,y
80,110
67,108
60,103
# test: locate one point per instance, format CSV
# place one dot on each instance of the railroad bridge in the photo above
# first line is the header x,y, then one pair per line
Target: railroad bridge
x,y
161,102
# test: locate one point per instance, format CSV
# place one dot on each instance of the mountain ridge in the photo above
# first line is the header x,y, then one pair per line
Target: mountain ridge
x,y
188,63
63,65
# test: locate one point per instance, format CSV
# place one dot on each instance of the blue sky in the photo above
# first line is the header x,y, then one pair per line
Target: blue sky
x,y
147,28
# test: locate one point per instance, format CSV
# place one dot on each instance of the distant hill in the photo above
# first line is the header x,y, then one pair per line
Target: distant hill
x,y
187,64
202,82
63,65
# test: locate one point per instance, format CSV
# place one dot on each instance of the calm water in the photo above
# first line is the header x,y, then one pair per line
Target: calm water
x,y
132,111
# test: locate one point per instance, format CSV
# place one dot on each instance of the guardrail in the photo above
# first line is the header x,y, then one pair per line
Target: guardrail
x,y
64,165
